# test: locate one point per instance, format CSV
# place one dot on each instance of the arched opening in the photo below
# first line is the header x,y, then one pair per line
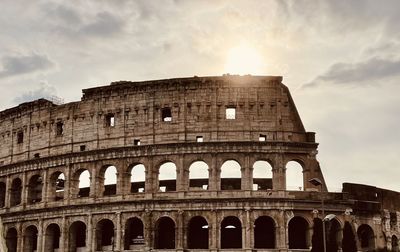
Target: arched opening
x,y
366,237
134,236
198,176
84,183
105,235
35,189
165,233
294,176
12,240
262,175
30,239
56,186
52,238
231,232
298,228
138,177
395,244
231,175
77,236
317,240
198,233
167,177
2,194
110,181
16,190
333,235
264,232
349,239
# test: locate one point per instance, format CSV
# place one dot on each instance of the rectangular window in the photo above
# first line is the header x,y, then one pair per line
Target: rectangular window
x,y
262,138
136,142
59,129
110,120
83,147
20,137
230,113
199,139
36,155
166,115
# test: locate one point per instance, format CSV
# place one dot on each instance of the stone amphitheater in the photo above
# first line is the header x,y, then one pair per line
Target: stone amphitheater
x,y
185,164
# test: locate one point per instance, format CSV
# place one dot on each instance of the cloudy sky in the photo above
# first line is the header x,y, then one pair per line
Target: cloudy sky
x,y
339,58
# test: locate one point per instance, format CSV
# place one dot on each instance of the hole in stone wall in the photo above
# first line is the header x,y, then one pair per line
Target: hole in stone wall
x,y
110,120
199,139
16,190
136,142
262,138
134,236
59,128
166,115
20,137
198,176
84,184
110,181
138,177
262,175
230,113
167,177
231,175
30,239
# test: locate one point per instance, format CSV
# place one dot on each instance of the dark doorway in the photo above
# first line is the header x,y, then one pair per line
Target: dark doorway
x,y
198,233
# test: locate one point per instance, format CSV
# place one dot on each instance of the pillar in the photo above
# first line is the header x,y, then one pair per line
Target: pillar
x,y
279,174
118,235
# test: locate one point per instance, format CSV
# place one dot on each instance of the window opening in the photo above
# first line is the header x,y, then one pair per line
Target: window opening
x,y
262,138
199,139
59,128
20,137
110,120
136,142
230,113
166,115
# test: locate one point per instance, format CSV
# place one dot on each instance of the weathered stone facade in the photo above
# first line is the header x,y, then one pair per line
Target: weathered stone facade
x,y
143,125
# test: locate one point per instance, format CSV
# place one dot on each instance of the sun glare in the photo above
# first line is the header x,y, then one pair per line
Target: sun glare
x,y
244,60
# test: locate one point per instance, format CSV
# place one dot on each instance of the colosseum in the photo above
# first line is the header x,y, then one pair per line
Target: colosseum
x,y
185,164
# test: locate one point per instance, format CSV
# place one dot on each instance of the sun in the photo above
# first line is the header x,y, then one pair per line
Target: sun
x,y
244,59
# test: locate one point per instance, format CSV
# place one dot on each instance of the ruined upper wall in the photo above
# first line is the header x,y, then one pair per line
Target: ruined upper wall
x,y
196,107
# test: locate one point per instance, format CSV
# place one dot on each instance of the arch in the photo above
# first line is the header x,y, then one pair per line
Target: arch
x,y
77,236
333,235
198,175
16,192
56,186
317,240
264,232
231,232
395,244
198,233
84,181
262,175
138,178
366,237
12,240
35,189
2,194
167,177
298,233
294,176
134,234
231,175
52,237
349,239
165,233
110,180
105,235
30,239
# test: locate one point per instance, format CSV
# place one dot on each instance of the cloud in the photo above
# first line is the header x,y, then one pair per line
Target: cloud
x,y
357,74
24,64
105,24
44,90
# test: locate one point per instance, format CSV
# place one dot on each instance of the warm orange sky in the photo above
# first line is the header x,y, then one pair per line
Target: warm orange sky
x,y
340,60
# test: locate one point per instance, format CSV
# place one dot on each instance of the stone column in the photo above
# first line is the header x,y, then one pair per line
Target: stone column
x,y
180,175
247,230
180,229
279,174
151,179
8,192
68,191
94,184
247,175
212,171
90,234
64,236
20,238
45,186
118,235
40,240
25,188
121,177
213,231
148,231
